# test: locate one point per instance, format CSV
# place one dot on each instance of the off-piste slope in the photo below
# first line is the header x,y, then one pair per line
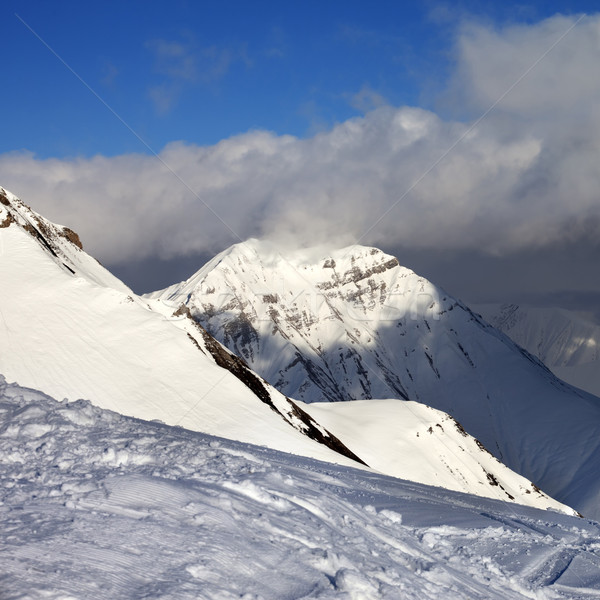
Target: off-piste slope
x,y
353,324
96,505
565,342
70,328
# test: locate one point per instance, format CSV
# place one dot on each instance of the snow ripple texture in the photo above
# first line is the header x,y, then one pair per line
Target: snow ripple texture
x,y
98,505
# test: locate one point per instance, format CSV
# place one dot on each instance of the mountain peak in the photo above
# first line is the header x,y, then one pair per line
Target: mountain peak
x,y
13,210
352,324
267,251
30,229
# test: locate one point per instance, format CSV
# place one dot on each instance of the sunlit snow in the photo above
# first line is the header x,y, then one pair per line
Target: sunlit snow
x,y
96,505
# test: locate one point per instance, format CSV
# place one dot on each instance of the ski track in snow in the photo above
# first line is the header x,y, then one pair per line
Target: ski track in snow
x,y
97,505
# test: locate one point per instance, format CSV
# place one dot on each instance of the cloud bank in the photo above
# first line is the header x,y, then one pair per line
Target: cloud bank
x,y
525,177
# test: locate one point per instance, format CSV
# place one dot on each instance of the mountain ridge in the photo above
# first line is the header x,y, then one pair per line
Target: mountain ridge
x,y
73,335
354,325
563,340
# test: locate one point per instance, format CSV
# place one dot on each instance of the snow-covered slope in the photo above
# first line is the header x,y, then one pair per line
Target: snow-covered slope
x,y
564,341
354,324
67,326
96,505
416,442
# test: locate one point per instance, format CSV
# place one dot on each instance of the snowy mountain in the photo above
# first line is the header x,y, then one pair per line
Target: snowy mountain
x,y
96,505
73,330
564,341
353,324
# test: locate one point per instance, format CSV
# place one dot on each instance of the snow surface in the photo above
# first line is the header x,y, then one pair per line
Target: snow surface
x,y
563,340
96,505
413,441
355,325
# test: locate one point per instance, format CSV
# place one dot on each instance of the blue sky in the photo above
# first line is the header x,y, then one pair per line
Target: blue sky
x,y
203,71
310,123
200,71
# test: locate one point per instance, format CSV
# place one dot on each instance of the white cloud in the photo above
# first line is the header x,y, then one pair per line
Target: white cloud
x,y
564,79
523,178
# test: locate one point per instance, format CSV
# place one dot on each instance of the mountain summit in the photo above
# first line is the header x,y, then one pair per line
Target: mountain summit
x,y
304,309
353,324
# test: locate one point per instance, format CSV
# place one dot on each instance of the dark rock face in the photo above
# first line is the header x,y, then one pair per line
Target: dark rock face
x,y
7,221
73,237
235,365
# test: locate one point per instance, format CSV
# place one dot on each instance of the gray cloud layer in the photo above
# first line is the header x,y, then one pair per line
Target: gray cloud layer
x,y
526,177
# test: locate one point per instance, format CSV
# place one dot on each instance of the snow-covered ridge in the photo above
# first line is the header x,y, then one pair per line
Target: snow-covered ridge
x,y
416,442
564,341
71,328
291,411
61,243
353,324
